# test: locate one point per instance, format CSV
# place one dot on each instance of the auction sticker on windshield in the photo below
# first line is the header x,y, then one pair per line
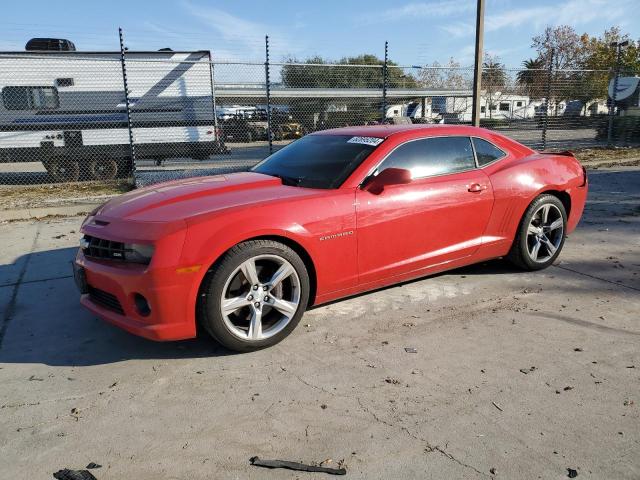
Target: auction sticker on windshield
x,y
373,141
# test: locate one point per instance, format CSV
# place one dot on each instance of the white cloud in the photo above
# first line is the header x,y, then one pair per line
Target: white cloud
x,y
240,36
499,16
459,29
430,9
572,12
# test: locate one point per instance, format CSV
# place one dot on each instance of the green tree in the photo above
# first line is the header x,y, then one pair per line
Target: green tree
x,y
532,77
600,62
348,72
361,71
600,55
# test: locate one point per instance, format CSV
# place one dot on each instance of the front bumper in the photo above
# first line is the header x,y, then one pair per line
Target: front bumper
x,y
170,296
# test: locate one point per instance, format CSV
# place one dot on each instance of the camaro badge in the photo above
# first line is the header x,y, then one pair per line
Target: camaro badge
x,y
336,235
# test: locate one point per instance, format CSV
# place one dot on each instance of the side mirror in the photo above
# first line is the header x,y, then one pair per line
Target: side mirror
x,y
389,176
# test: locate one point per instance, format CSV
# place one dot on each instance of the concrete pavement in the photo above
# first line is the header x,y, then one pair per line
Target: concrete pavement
x,y
519,374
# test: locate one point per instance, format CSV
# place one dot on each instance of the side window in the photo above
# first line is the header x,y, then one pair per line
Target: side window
x,y
432,156
486,152
30,98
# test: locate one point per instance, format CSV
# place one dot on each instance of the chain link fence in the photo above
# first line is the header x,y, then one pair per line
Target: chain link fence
x,y
67,116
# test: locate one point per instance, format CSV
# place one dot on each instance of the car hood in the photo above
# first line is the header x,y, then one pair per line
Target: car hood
x,y
194,197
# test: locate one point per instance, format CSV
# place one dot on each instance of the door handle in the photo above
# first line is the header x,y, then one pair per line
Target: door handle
x,y
476,187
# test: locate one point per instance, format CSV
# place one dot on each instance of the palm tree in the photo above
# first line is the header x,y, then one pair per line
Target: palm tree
x,y
494,79
532,77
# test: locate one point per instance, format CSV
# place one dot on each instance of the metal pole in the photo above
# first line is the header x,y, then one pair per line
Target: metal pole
x,y
268,87
477,72
385,79
545,123
614,98
123,63
218,141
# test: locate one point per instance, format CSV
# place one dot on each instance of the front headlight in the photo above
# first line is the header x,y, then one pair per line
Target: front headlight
x,y
138,252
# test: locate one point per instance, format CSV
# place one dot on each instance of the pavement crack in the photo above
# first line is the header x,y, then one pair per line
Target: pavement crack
x,y
316,387
459,462
429,447
595,277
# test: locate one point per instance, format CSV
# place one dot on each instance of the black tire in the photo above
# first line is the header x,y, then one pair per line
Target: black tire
x,y
211,291
103,169
63,170
520,254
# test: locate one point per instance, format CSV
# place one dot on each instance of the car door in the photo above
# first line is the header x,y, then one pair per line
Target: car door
x,y
440,216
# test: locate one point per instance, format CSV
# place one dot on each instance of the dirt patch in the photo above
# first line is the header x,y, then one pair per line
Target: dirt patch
x,y
603,157
35,196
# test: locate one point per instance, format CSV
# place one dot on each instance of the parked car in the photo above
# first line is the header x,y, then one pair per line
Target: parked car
x,y
336,213
290,130
239,128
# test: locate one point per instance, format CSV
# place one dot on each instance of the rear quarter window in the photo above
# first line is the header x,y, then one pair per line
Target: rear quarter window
x,y
486,152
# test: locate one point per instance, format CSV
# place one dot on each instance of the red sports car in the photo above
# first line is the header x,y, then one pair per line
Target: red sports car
x,y
333,214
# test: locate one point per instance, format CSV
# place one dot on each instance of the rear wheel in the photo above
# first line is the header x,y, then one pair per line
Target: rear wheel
x,y
103,169
255,295
541,234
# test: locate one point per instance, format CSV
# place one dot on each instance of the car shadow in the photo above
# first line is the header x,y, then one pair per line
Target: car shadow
x,y
44,323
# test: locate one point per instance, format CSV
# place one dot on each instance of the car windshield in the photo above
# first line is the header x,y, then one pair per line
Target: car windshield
x,y
318,161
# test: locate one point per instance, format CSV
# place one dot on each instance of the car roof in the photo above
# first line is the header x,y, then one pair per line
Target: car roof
x,y
412,131
384,131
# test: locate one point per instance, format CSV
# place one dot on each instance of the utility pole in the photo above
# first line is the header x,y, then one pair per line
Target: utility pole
x,y
614,97
267,81
477,72
385,80
127,101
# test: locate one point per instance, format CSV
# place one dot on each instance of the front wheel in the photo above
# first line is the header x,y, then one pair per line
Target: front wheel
x,y
541,234
254,296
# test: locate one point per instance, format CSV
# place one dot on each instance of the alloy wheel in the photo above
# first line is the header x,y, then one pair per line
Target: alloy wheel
x,y
260,297
545,233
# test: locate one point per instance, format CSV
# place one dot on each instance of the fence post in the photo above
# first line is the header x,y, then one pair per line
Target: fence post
x,y
123,63
545,124
268,87
385,80
614,98
213,97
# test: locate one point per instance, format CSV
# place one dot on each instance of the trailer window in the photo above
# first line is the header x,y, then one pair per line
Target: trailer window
x,y
30,98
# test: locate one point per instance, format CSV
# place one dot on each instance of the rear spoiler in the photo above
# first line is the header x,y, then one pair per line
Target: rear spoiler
x,y
564,153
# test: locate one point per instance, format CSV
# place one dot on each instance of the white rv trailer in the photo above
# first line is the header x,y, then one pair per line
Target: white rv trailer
x,y
497,105
67,109
411,109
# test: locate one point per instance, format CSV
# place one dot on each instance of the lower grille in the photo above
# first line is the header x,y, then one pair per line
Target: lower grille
x,y
105,300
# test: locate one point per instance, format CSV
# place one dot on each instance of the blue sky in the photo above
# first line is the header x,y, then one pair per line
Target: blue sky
x,y
418,32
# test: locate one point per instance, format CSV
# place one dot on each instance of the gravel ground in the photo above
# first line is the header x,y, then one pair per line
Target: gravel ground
x,y
516,376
